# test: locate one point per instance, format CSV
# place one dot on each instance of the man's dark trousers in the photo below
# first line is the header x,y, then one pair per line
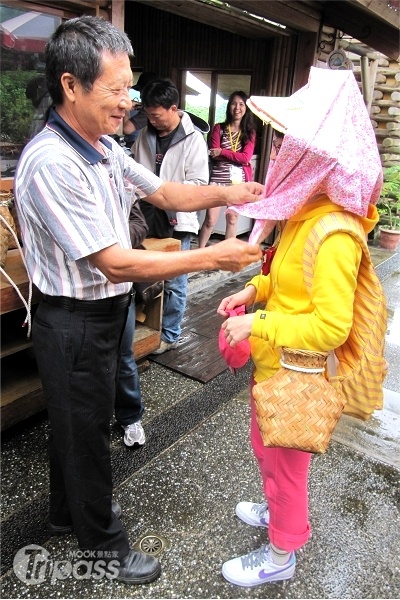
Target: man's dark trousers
x,y
77,354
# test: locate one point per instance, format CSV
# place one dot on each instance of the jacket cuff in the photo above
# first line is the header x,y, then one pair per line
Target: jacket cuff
x,y
260,324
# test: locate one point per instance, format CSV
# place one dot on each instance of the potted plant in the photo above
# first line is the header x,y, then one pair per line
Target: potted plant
x,y
389,209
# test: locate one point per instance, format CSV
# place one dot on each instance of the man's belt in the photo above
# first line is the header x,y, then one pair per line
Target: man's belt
x,y
102,305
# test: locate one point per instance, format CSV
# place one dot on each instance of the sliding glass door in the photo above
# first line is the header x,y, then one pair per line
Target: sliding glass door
x,y
206,93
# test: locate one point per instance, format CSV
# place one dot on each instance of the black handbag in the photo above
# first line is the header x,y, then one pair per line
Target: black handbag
x,y
160,222
146,291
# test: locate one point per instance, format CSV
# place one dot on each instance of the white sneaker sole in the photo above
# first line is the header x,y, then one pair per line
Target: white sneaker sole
x,y
129,444
265,578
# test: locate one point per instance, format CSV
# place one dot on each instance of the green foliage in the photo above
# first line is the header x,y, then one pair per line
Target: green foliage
x,y
9,12
389,201
220,114
203,112
16,110
199,111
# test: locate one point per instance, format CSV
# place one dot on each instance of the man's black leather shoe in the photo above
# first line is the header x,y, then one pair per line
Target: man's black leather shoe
x,y
65,529
137,567
116,508
60,529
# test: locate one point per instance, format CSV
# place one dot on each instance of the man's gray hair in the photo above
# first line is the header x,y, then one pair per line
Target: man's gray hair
x,y
76,47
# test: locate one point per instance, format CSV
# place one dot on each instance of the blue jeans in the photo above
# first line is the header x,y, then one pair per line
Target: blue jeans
x,y
128,400
174,302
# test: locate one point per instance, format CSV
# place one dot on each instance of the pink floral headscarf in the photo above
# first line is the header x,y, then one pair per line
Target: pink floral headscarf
x,y
329,147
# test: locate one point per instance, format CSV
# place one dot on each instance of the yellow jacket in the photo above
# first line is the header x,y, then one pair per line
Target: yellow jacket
x,y
292,317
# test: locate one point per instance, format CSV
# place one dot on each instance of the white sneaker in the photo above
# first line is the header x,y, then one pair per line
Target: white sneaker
x,y
134,434
165,346
256,568
256,515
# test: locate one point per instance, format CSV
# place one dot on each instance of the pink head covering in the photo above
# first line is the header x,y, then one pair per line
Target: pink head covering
x,y
329,147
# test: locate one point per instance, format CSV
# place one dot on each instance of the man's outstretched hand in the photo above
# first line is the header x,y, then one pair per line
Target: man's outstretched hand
x,y
244,192
233,254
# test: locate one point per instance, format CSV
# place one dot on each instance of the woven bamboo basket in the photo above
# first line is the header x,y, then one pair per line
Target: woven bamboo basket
x,y
7,241
297,407
4,241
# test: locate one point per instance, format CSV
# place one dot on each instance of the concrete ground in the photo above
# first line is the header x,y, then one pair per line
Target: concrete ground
x,y
178,493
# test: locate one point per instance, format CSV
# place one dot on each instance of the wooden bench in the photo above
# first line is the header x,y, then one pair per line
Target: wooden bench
x,y
21,390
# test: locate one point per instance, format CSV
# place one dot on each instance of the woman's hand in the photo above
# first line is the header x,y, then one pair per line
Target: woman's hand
x,y
214,152
246,297
237,329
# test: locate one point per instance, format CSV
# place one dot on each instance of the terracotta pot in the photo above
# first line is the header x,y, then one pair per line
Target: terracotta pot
x,y
389,238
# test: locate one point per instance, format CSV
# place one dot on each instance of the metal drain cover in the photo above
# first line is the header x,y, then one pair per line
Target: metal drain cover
x,y
151,543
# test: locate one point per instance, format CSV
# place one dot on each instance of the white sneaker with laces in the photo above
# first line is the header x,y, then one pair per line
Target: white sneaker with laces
x,y
134,434
256,515
256,568
165,346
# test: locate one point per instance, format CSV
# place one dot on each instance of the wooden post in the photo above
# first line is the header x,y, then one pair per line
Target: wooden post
x,y
118,19
373,69
366,89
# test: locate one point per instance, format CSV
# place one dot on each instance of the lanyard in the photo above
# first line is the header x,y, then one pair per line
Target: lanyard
x,y
235,145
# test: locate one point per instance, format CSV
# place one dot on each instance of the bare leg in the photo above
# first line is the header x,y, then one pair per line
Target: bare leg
x,y
206,230
231,225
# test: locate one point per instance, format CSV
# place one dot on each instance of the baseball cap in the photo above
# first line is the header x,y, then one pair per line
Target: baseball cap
x,y
238,356
144,79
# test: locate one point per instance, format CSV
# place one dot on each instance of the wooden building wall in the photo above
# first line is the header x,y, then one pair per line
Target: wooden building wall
x,y
164,42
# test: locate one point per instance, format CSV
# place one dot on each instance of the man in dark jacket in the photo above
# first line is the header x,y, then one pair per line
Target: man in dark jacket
x,y
129,407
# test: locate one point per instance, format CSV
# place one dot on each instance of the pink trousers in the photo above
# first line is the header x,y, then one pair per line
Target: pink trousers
x,y
284,473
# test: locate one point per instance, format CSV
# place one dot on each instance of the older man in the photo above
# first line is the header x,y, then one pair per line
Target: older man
x,y
74,189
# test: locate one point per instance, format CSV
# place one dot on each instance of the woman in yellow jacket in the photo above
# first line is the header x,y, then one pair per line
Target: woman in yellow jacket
x,y
293,317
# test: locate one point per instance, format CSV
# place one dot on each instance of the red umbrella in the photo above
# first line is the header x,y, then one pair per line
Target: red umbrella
x,y
28,32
